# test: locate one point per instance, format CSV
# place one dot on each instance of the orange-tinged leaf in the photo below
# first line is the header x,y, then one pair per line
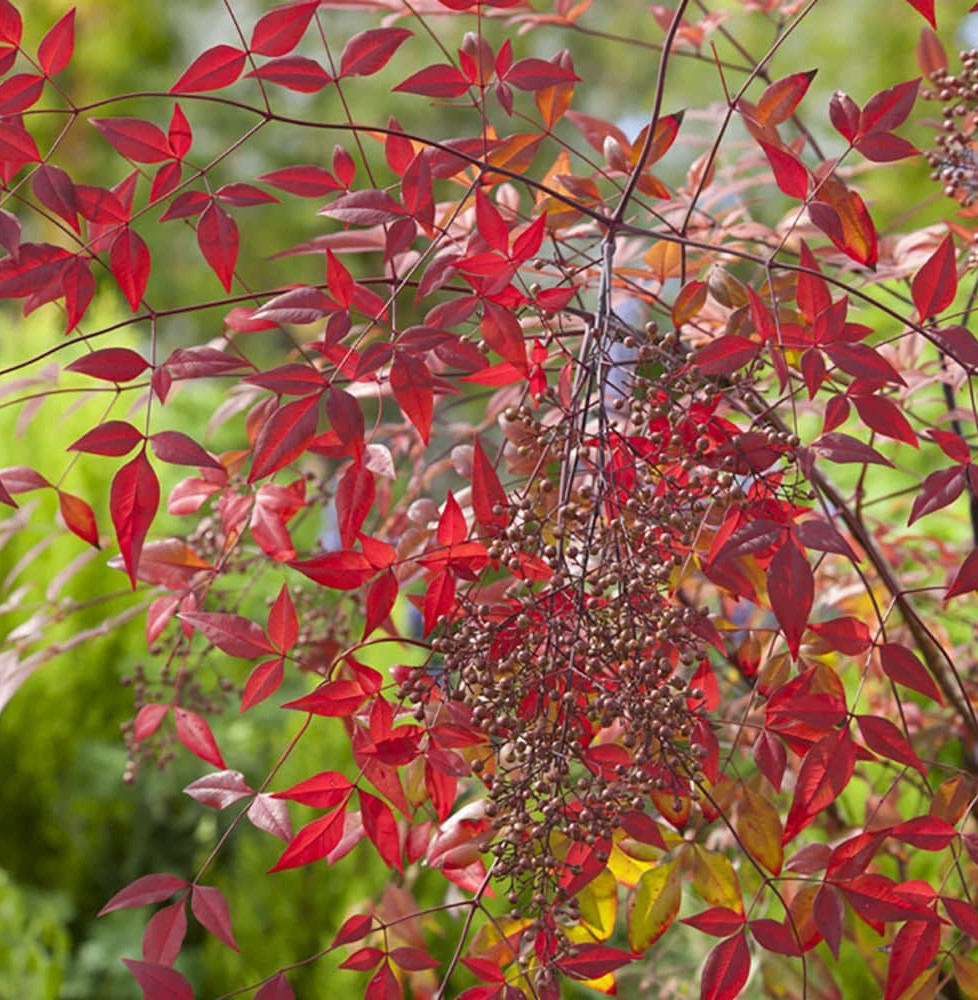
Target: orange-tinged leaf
x,y
779,101
654,905
759,828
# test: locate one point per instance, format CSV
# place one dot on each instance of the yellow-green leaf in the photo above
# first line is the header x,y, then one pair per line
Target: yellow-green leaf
x,y
715,879
759,827
598,902
654,905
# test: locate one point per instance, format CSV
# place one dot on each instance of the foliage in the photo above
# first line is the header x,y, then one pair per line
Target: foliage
x,y
582,484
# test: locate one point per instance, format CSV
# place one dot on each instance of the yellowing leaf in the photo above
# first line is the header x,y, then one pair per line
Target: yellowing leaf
x,y
598,902
665,259
715,879
654,905
966,976
628,868
759,827
924,987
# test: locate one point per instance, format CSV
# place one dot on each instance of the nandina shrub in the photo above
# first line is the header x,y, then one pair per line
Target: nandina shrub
x,y
588,483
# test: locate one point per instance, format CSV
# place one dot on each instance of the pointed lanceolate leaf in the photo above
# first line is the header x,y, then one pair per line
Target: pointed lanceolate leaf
x,y
413,388
130,262
279,31
824,773
284,436
370,51
901,665
113,364
144,891
165,933
218,67
211,908
726,970
217,236
159,982
78,517
313,842
232,634
178,448
135,139
791,591
219,789
134,499
935,284
283,623
277,988
54,52
195,734
354,499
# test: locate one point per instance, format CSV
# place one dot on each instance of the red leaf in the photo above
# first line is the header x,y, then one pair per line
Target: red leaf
x,y
135,139
487,490
323,791
179,134
901,665
883,737
828,912
113,364
217,237
148,720
284,436
11,26
159,982
535,74
413,959
440,80
726,969
926,9
54,52
298,73
848,225
130,262
143,891
232,634
789,172
380,602
877,899
133,501
725,355
791,590
195,734
439,600
283,623
935,284
211,908
503,333
304,181
368,207
218,67
720,921
964,915
593,961
343,570
355,494
262,683
913,949
55,190
413,388
278,987
79,289
280,30
244,195
219,789
165,933
313,842
929,833
17,145
966,579
177,448
823,775
771,758
79,517
885,417
889,108
337,699
843,448
939,489
363,959
381,827
371,50
356,928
